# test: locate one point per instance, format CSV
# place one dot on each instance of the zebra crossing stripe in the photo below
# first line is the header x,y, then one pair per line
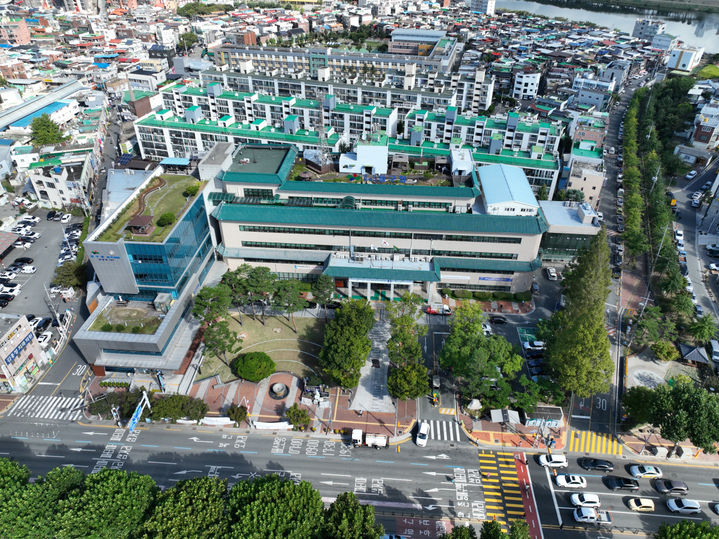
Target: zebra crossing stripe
x,y
47,407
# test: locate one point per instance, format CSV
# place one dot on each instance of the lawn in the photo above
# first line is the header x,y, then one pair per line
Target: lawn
x,y
146,326
291,352
710,71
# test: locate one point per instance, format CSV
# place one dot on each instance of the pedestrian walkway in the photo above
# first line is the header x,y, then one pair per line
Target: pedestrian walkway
x,y
45,407
444,430
583,441
371,394
500,482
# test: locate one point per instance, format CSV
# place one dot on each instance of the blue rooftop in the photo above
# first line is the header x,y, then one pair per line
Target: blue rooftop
x,y
504,183
175,161
49,109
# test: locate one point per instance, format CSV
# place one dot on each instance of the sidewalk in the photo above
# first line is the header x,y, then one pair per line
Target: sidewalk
x,y
488,434
503,307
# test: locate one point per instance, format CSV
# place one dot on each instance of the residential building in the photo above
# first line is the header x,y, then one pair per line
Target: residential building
x,y
685,58
587,177
526,85
61,185
590,127
485,7
22,355
14,31
618,71
706,126
146,276
482,235
664,42
142,79
646,29
591,92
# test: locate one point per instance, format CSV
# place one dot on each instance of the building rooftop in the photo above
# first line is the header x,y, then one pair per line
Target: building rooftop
x,y
501,183
260,164
163,194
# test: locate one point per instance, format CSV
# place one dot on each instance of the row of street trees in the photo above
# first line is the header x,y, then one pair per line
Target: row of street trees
x,y
118,504
488,368
577,344
408,377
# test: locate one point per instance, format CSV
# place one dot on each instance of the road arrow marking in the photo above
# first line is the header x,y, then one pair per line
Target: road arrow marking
x,y
395,479
78,449
96,433
436,506
438,489
184,472
332,483
336,474
438,457
197,440
434,473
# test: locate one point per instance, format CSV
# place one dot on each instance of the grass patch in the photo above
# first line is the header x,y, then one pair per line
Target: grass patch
x,y
710,71
140,326
298,169
292,352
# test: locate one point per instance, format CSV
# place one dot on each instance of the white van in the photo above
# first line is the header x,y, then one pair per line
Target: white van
x,y
715,350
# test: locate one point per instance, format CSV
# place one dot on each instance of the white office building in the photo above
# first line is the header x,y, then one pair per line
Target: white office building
x,y
482,6
526,85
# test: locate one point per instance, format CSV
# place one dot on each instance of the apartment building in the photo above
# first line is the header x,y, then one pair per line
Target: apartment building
x,y
685,58
526,85
486,7
646,29
14,31
591,92
484,235
587,177
22,356
512,131
214,104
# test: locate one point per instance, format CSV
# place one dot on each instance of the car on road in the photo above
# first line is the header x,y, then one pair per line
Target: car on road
x,y
497,319
672,486
571,481
28,269
683,506
552,274
487,329
44,338
533,345
699,310
696,195
535,288
641,505
678,234
596,464
696,203
707,185
422,434
640,471
553,461
621,483
691,175
585,500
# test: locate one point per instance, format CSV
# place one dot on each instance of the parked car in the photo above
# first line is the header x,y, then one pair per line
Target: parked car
x,y
683,506
691,175
43,324
66,218
640,471
497,319
50,215
641,505
596,464
28,269
44,339
533,345
20,244
8,275
31,219
678,234
422,434
23,260
552,274
6,297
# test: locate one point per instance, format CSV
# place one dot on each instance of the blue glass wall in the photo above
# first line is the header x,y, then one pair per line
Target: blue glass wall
x,y
166,266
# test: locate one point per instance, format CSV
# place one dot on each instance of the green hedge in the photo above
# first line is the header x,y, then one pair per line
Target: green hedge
x,y
110,383
486,296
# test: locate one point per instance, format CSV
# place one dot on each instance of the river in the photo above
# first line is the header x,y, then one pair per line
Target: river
x,y
703,31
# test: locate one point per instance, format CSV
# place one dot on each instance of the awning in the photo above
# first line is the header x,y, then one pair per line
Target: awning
x,y
175,161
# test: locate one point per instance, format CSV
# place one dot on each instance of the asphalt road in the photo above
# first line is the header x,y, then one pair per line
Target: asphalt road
x,y
553,502
412,489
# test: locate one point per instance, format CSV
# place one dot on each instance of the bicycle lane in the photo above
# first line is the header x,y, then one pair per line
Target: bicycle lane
x,y
531,514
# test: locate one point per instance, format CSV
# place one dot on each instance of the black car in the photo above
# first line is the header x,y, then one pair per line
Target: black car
x,y
596,464
42,325
672,486
497,319
3,303
24,260
51,215
621,483
684,269
7,297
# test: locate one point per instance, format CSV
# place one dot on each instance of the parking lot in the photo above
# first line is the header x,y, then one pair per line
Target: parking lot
x,y
44,253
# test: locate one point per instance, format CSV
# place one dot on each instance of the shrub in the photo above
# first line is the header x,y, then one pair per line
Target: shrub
x,y
106,328
166,219
119,327
237,413
191,190
665,350
463,294
523,296
313,380
504,296
254,366
482,296
446,292
174,407
111,383
136,329
299,417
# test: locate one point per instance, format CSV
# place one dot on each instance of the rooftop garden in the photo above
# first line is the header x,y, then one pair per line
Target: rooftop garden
x,y
156,209
135,317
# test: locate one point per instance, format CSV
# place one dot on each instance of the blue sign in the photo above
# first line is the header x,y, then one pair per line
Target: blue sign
x,y
19,348
135,417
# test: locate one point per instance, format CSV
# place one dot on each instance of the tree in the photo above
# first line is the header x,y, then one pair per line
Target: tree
x,y
211,303
85,512
166,218
187,40
237,414
322,290
45,131
408,381
519,529
194,508
260,287
71,274
346,517
221,341
236,281
637,402
403,345
665,350
254,366
461,532
673,282
288,298
409,305
13,478
465,337
543,193
687,529
703,328
654,326
346,342
491,529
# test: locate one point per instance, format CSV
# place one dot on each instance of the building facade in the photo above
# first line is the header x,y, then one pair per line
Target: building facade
x,y
646,29
526,85
22,355
685,58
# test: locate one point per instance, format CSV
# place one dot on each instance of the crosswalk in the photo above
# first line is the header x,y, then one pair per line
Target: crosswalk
x,y
583,441
47,407
447,411
444,430
500,484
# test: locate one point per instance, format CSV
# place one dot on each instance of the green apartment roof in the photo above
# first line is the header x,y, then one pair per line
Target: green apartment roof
x,y
365,189
383,220
396,274
593,154
22,150
47,163
487,264
261,164
139,94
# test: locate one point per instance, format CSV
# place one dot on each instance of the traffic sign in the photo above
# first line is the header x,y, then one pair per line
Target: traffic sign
x,y
135,417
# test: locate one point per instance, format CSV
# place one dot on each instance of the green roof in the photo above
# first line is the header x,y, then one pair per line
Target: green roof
x,y
593,154
139,94
47,163
395,274
383,220
262,164
364,189
487,264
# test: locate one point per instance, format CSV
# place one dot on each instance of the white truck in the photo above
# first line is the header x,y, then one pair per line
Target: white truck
x,y
370,440
589,515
